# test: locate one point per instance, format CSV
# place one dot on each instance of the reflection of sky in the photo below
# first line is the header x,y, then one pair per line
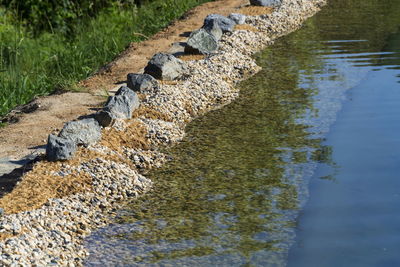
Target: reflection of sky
x,y
355,221
343,70
337,76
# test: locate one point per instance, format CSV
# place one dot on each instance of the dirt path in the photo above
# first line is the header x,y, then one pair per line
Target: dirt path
x,y
23,138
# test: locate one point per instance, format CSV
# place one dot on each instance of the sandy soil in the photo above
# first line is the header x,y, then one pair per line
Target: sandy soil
x,y
20,139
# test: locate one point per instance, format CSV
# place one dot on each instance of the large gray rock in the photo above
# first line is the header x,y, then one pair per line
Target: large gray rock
x,y
123,103
270,3
105,118
119,106
131,95
214,28
201,42
224,23
165,67
59,148
237,18
141,82
82,132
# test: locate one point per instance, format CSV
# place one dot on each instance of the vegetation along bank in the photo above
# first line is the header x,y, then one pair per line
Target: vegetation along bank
x,y
47,46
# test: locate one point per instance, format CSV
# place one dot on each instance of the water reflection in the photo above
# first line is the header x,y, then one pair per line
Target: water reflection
x,y
227,194
233,192
355,221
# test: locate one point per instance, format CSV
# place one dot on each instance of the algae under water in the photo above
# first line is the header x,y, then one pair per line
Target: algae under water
x,y
238,181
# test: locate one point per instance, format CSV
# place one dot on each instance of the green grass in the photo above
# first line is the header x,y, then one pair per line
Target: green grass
x,y
34,66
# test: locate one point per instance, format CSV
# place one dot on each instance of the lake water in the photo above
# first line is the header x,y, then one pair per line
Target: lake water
x,y
301,170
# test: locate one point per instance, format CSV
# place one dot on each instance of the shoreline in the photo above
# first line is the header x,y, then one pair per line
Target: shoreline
x,y
53,234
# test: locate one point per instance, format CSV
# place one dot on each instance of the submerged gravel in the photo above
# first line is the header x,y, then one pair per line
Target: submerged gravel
x,y
53,234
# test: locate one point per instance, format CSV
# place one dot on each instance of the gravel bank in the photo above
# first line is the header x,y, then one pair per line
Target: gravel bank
x,y
53,234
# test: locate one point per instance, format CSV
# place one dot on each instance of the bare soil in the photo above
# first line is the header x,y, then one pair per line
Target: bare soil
x,y
30,132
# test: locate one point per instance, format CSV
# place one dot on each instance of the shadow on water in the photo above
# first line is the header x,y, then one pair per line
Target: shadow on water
x,y
233,192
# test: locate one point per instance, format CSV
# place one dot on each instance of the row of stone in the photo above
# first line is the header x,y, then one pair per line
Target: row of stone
x,y
205,40
265,2
162,66
87,131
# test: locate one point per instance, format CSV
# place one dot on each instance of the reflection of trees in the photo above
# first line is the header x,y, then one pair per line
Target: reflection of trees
x,y
370,20
393,46
225,184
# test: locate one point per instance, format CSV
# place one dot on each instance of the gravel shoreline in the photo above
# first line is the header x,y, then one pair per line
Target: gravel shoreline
x,y
54,233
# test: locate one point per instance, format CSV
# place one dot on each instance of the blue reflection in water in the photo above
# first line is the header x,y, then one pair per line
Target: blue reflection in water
x,y
355,221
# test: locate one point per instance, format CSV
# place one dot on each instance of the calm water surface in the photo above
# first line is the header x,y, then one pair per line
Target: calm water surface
x,y
319,123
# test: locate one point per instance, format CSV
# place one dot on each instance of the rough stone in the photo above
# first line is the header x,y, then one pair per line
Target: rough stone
x,y
214,28
165,67
237,18
82,132
201,42
105,118
224,23
141,82
119,106
264,2
59,148
1,212
125,91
